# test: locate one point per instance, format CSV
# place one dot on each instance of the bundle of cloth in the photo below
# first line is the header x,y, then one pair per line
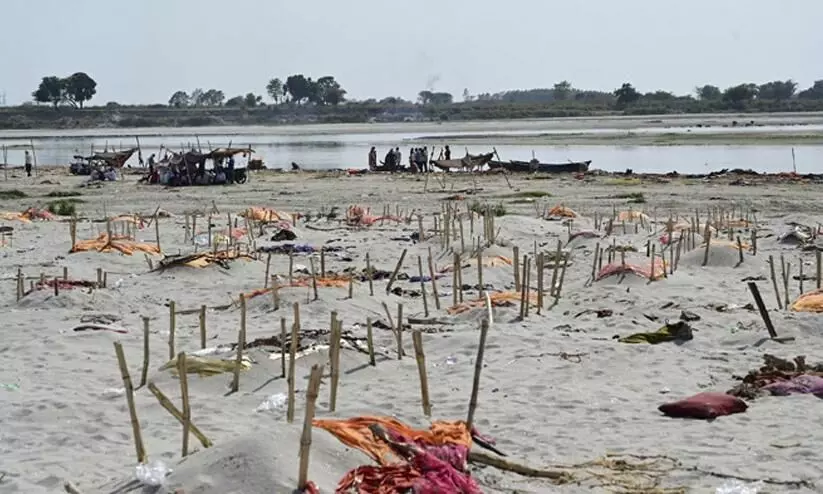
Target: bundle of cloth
x,y
419,461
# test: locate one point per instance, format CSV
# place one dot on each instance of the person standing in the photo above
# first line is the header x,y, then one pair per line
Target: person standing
x,y
372,158
28,163
425,157
448,153
398,158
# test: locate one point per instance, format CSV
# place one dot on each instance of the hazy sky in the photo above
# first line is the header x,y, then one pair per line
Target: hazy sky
x,y
141,51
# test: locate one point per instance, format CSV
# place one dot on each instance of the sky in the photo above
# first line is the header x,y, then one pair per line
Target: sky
x,y
142,51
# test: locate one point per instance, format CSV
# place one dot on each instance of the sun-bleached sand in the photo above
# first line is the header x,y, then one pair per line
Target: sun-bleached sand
x,y
63,413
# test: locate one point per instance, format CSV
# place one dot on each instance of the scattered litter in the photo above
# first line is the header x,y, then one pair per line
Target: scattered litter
x,y
273,403
152,474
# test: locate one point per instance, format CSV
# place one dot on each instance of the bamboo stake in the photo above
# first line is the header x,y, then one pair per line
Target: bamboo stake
x,y
370,341
562,276
539,283
800,276
420,356
740,249
241,343
275,293
708,237
313,279
423,286
135,423
399,331
291,268
396,270
481,286
202,320
455,287
184,393
523,288
156,230
268,268
305,438
283,347
552,289
786,278
774,282
295,328
818,267
144,375
334,349
516,260
172,327
594,261
434,282
322,262
369,274
527,284
478,367
754,242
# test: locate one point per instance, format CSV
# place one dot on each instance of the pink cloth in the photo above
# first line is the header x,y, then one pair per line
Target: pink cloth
x,y
802,384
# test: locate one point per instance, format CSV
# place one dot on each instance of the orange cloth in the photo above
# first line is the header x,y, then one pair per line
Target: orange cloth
x,y
562,211
643,270
499,299
632,216
119,243
355,433
809,302
267,215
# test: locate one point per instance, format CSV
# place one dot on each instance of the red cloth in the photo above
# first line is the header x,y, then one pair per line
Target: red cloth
x,y
704,406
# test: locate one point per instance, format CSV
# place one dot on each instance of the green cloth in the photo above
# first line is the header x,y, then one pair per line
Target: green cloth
x,y
679,331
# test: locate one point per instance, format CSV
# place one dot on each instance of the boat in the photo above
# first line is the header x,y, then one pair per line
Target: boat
x,y
516,166
468,162
85,165
189,168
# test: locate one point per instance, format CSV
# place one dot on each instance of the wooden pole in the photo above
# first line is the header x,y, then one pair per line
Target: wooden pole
x,y
761,307
478,367
516,264
295,328
399,333
480,285
184,393
156,230
169,406
334,349
144,375
708,236
420,356
818,267
135,424
556,269
540,260
434,282
313,279
455,270
322,262
202,320
423,286
396,270
172,327
268,268
369,275
525,283
291,268
370,341
305,438
241,343
786,277
562,276
283,336
774,282
740,249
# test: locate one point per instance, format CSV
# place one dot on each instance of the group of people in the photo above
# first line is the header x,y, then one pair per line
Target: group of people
x,y
419,160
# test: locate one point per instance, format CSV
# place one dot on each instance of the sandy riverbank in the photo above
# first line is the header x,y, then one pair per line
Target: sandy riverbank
x,y
64,418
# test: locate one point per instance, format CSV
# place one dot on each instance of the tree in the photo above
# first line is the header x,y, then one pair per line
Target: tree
x,y
429,98
51,90
739,96
424,97
236,101
626,94
659,96
180,99
814,92
708,93
251,100
196,98
562,90
299,88
467,96
275,90
79,88
327,91
777,90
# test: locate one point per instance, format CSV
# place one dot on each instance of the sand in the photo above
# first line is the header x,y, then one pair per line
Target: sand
x,y
63,414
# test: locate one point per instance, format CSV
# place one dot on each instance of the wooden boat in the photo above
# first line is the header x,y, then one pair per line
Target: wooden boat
x,y
536,166
468,162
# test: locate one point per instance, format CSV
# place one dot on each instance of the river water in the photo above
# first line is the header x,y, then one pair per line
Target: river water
x,y
347,146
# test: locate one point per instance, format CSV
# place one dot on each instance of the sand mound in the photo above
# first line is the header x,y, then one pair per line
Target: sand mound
x,y
78,299
721,253
263,462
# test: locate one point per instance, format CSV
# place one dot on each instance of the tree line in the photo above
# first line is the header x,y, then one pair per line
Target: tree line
x,y
298,89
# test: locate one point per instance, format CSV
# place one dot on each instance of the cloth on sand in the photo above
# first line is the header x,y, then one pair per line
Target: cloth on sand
x,y
561,211
677,331
809,302
430,462
122,244
643,270
802,384
704,406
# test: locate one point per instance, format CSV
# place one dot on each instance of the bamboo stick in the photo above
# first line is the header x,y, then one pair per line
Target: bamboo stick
x,y
145,373
313,279
184,393
369,275
142,457
156,230
708,236
480,285
172,327
478,367
335,363
202,320
455,287
283,335
525,283
740,249
291,268
556,269
322,262
423,286
434,282
275,293
516,261
370,341
268,268
540,260
399,333
396,270
818,267
295,328
774,282
562,276
241,343
305,438
420,356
